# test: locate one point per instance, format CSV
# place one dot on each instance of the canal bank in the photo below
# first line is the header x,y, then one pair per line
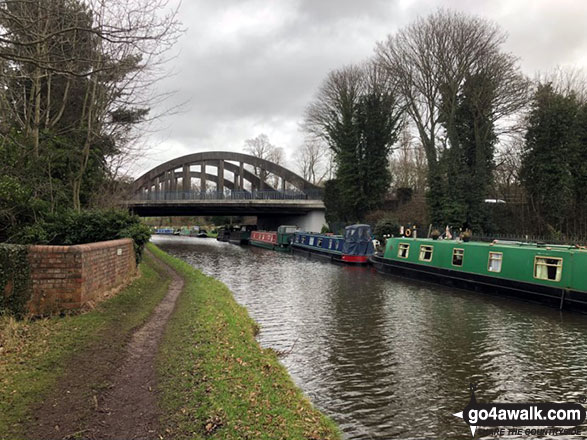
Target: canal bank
x,y
95,375
387,357
216,380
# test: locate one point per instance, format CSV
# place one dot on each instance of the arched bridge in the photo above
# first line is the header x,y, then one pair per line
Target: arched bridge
x,y
223,183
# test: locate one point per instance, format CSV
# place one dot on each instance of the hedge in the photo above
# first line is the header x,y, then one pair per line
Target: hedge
x,y
70,228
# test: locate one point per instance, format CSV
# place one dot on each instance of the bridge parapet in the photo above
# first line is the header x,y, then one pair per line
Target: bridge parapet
x,y
310,194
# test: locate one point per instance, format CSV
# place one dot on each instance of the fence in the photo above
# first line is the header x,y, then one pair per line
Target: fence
x,y
231,195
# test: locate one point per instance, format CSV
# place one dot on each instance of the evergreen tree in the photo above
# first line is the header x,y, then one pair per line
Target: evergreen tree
x,y
468,162
579,174
549,171
357,114
378,125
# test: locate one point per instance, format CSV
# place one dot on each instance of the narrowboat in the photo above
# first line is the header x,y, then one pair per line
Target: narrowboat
x,y
354,247
224,234
164,231
242,235
279,240
196,231
551,274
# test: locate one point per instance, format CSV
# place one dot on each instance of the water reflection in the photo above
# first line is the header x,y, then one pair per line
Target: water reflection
x,y
392,358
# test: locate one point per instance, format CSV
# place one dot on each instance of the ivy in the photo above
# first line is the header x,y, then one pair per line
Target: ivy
x,y
15,288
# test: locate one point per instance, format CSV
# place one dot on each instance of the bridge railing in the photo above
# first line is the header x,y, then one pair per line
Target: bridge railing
x,y
230,195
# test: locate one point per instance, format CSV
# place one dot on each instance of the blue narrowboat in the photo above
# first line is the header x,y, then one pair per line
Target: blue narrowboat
x,y
164,231
354,247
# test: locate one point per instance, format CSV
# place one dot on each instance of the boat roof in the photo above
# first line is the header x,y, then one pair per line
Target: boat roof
x,y
500,243
357,226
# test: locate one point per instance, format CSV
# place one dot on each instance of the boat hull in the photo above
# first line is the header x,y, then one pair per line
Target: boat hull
x,y
271,246
331,256
556,297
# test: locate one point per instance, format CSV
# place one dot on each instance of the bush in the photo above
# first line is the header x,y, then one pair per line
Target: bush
x,y
70,228
386,226
14,279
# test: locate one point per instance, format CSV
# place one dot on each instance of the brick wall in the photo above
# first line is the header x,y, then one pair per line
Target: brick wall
x,y
67,278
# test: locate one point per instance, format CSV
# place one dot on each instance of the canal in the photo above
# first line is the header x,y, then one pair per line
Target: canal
x,y
386,357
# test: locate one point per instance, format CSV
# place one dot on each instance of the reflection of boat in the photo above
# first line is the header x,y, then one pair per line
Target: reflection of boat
x,y
277,240
355,246
242,235
547,273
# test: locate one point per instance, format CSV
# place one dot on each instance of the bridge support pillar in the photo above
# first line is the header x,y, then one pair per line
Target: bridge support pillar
x,y
173,181
220,185
241,176
203,178
165,185
186,179
312,221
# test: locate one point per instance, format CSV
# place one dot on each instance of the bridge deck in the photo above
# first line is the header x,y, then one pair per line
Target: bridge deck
x,y
223,207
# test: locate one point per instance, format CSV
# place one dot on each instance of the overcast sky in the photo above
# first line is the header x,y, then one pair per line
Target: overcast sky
x,y
247,67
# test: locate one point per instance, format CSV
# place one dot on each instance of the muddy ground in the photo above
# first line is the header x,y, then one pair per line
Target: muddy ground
x,y
109,391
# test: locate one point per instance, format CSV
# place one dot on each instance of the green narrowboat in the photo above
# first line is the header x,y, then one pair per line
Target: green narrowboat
x,y
242,234
552,274
279,240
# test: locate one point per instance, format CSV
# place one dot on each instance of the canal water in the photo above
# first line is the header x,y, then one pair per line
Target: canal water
x,y
392,358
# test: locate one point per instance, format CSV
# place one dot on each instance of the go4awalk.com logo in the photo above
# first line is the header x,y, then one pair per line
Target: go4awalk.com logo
x,y
544,418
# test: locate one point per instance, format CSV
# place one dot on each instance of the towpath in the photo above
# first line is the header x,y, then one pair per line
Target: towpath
x,y
126,406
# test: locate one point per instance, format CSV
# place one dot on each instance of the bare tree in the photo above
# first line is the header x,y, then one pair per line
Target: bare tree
x,y
357,114
82,71
507,170
262,148
335,104
408,163
566,81
313,161
432,60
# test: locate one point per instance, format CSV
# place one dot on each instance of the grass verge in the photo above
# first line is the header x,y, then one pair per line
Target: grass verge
x,y
214,378
34,355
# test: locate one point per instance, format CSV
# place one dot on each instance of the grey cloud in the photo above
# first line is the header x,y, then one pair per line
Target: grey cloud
x,y
262,76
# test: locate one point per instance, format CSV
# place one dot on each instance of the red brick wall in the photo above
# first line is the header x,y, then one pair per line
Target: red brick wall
x,y
67,278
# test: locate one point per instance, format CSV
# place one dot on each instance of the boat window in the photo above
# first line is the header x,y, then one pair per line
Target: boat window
x,y
297,238
404,250
457,257
364,234
426,253
311,241
495,259
330,243
548,268
319,244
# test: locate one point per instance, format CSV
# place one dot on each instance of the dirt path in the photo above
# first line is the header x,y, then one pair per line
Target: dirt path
x,y
131,405
127,406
